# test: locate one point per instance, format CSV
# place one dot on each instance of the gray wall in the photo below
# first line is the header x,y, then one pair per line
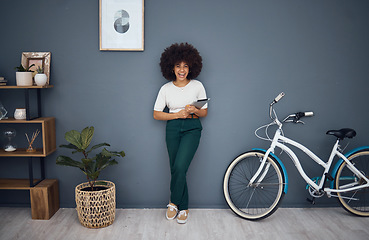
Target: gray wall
x,y
317,52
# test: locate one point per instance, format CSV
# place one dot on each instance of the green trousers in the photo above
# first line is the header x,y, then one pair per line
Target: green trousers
x,y
182,138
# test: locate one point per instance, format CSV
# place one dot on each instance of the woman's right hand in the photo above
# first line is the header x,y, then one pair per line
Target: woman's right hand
x,y
182,114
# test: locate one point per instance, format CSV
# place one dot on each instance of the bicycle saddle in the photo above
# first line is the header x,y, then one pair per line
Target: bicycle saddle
x,y
342,133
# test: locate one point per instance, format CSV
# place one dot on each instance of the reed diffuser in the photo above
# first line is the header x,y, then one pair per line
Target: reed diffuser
x,y
30,141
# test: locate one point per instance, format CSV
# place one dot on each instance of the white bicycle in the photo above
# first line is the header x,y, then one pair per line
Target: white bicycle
x,y
256,181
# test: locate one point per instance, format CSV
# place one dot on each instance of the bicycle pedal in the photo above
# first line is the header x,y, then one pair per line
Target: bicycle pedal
x,y
312,201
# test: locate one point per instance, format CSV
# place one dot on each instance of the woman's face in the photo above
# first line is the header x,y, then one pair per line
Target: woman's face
x,y
181,71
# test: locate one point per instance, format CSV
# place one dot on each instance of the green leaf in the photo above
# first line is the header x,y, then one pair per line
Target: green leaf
x,y
67,161
105,152
101,160
86,161
74,137
86,137
70,146
94,175
122,153
77,150
90,168
100,183
22,69
109,163
98,146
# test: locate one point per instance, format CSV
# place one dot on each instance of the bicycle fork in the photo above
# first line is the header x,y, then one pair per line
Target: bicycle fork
x,y
262,164
260,169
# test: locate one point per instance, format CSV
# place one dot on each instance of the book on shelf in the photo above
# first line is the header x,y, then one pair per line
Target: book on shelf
x,y
3,81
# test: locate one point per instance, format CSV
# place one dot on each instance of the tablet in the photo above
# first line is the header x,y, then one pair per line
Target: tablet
x,y
200,103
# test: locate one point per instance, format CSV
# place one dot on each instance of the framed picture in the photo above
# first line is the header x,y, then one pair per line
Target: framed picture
x,y
40,59
121,25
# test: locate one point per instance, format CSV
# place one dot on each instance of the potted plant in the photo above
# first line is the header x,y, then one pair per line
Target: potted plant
x,y
40,77
24,76
95,199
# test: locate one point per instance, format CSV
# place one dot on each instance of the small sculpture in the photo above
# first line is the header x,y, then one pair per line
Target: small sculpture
x,y
10,134
3,111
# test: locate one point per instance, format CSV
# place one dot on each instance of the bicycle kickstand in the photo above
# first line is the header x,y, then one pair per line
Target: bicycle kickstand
x,y
312,200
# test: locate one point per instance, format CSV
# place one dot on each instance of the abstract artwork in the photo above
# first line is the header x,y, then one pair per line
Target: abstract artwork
x,y
121,25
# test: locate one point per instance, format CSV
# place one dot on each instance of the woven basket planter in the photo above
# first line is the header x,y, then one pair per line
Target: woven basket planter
x,y
96,209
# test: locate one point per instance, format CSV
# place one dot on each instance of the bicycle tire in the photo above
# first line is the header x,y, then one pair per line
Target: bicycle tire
x,y
357,201
260,200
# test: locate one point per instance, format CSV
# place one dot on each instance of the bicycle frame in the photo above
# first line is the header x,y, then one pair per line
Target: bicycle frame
x,y
280,141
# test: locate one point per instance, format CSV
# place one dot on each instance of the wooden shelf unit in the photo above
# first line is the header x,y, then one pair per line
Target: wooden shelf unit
x,y
44,193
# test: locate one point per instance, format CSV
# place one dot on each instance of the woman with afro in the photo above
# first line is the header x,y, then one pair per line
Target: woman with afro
x,y
180,65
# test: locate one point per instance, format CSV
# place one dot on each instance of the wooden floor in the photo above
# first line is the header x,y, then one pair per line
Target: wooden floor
x,y
213,224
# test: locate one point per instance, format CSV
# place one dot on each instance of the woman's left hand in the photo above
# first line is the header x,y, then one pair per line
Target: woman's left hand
x,y
191,109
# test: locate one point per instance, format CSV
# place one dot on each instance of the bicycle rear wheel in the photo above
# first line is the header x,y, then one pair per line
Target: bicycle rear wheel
x,y
357,201
259,200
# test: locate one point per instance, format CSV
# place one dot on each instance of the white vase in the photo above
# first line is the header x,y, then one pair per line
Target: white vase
x,y
40,79
23,78
20,113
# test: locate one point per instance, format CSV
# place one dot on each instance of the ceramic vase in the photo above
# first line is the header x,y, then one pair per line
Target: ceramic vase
x,y
20,114
24,78
40,79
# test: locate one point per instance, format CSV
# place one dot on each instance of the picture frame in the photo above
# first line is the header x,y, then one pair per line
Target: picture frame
x,y
121,25
40,59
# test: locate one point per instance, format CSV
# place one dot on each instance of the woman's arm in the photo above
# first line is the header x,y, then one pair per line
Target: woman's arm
x,y
158,115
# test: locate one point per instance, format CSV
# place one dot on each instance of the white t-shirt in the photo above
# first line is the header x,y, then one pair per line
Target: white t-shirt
x,y
176,98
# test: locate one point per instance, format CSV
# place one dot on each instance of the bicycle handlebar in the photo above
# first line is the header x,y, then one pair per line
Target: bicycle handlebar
x,y
304,114
279,97
297,116
308,114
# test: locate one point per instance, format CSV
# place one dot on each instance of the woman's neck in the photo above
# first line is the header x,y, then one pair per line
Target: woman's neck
x,y
181,83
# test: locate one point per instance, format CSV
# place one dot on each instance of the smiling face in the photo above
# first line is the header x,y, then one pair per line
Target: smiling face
x,y
181,71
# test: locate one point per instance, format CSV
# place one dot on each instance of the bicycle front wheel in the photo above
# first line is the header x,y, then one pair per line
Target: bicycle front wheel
x,y
356,201
260,199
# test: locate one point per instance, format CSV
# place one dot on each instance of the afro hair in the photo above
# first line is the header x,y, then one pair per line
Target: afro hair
x,y
177,53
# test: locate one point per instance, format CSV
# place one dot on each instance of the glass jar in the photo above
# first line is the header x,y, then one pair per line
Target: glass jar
x,y
9,134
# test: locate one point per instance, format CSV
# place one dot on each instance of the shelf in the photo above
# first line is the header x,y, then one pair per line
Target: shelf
x,y
23,87
27,90
36,120
22,153
48,138
15,184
